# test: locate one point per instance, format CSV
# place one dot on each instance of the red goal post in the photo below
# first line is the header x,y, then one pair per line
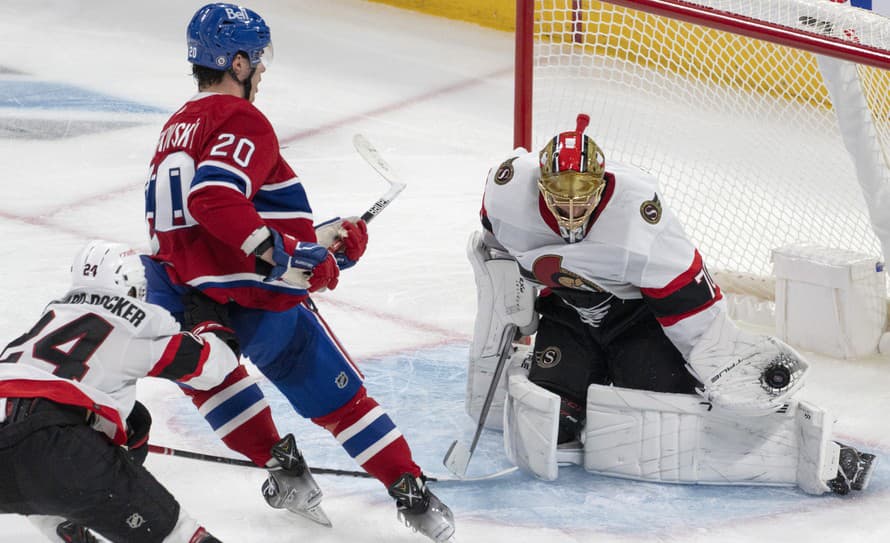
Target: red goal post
x,y
724,101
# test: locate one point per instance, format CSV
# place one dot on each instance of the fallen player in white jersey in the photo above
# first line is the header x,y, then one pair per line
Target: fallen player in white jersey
x,y
72,435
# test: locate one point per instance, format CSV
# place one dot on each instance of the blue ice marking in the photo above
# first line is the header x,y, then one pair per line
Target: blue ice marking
x,y
28,94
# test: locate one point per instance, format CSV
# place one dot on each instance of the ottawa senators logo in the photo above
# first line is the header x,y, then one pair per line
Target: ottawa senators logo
x,y
651,210
505,172
548,271
548,358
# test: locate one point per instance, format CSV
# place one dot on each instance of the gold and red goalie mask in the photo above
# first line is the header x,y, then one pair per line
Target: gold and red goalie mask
x,y
572,176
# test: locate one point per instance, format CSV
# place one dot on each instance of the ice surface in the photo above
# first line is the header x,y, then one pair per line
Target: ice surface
x,y
435,97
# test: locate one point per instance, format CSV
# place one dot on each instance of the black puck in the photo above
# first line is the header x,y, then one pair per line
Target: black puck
x,y
777,376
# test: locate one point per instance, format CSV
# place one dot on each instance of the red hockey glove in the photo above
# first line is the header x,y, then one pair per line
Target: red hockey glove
x,y
346,238
354,241
325,275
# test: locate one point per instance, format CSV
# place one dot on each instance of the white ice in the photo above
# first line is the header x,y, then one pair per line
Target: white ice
x,y
435,96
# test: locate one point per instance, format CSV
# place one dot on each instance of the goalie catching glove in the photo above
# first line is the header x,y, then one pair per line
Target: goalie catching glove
x,y
302,264
747,374
346,238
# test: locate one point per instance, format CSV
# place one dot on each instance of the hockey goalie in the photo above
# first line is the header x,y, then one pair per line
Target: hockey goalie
x,y
636,370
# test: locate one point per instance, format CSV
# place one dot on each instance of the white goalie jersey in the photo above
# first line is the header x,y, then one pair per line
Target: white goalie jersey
x,y
89,348
632,248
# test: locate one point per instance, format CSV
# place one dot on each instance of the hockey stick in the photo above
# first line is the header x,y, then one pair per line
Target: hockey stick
x,y
457,458
372,156
495,475
168,451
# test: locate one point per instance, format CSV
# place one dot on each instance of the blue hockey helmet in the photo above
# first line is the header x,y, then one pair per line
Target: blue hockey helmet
x,y
218,32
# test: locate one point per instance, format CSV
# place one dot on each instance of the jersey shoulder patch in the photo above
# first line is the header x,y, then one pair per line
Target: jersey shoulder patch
x,y
505,172
650,210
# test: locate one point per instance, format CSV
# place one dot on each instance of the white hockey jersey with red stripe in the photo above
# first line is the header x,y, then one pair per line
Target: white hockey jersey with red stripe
x,y
89,348
632,247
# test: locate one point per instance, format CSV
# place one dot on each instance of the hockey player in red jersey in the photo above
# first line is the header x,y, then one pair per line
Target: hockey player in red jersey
x,y
231,225
72,435
636,370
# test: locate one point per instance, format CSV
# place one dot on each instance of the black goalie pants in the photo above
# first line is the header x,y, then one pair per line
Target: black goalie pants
x,y
629,350
53,463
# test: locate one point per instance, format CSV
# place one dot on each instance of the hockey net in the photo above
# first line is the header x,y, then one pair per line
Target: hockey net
x,y
729,111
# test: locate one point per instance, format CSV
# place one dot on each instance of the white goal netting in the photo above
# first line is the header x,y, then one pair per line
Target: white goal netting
x,y
741,132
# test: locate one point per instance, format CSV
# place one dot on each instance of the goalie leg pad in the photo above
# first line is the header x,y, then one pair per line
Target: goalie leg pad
x,y
531,426
503,299
674,438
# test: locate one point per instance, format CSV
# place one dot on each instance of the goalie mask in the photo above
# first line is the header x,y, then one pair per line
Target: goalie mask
x,y
572,176
109,266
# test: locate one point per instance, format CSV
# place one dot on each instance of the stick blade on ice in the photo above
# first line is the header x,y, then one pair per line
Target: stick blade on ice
x,y
457,458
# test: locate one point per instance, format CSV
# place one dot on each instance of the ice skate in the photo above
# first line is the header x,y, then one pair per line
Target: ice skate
x,y
421,510
71,532
290,484
853,471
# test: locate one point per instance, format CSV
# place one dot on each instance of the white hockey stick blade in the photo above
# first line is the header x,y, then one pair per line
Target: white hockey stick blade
x,y
457,458
370,153
495,475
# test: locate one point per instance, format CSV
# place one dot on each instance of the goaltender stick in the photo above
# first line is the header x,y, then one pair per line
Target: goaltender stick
x,y
636,371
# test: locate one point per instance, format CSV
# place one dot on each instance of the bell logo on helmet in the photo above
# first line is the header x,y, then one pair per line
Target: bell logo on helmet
x,y
241,15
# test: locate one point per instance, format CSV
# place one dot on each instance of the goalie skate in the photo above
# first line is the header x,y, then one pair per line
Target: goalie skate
x,y
421,510
853,471
290,484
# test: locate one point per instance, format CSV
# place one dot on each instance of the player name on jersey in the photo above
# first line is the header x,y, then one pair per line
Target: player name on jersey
x,y
177,135
118,306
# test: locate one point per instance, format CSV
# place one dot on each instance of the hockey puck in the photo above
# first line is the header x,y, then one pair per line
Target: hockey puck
x,y
776,377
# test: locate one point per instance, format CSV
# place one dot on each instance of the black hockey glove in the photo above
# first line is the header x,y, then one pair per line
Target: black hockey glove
x,y
201,311
138,426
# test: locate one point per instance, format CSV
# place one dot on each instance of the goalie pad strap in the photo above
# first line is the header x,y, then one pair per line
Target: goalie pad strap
x,y
674,438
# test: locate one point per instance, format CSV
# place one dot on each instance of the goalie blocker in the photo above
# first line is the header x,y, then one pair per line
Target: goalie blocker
x,y
677,438
503,300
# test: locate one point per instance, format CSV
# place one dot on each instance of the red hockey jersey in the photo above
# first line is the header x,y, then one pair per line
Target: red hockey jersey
x,y
217,179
